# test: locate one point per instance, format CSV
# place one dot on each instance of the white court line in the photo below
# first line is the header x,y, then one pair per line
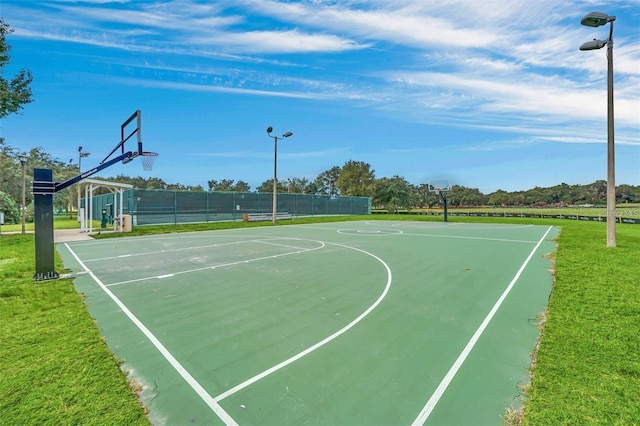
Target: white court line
x,y
321,343
223,265
461,237
202,393
431,403
146,253
282,245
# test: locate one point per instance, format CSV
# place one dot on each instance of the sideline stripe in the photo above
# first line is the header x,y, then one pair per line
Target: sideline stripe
x,y
222,265
462,237
202,393
323,341
147,253
431,403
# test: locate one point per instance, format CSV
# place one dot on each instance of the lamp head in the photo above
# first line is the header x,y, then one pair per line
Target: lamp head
x,y
79,148
269,129
286,135
593,45
596,19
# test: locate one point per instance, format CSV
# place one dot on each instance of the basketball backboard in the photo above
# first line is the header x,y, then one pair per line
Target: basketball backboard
x,y
439,185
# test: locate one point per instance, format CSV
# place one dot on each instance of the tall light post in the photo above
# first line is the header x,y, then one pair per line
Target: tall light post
x,y
80,156
597,19
275,168
23,161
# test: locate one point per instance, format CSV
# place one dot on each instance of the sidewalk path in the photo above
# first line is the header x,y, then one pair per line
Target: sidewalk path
x,y
66,235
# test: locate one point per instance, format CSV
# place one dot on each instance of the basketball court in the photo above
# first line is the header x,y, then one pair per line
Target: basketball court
x,y
352,323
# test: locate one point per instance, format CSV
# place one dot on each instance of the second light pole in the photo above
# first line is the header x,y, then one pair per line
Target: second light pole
x,y
275,168
597,19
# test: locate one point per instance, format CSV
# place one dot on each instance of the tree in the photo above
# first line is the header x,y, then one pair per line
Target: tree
x,y
267,186
628,194
181,187
461,196
10,171
66,199
16,92
500,198
156,183
300,186
223,185
139,182
597,191
326,182
356,179
9,208
242,186
228,185
11,174
393,194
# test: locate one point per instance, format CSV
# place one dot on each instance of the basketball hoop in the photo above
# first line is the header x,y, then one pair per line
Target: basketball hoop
x,y
148,158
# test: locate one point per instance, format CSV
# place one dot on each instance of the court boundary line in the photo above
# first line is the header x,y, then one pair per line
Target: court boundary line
x,y
213,402
322,342
464,225
225,265
448,378
195,385
462,237
148,253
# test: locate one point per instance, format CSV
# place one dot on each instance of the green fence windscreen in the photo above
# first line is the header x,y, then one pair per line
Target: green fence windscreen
x,y
162,207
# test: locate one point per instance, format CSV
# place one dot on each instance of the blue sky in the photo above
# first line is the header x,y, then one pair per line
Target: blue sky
x,y
489,94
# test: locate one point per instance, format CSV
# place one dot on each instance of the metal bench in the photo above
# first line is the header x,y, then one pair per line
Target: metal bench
x,y
257,217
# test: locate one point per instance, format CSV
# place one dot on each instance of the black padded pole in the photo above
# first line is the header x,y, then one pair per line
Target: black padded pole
x,y
444,200
43,189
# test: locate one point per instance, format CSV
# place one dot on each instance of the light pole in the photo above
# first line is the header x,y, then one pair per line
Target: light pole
x,y
596,19
23,161
80,155
275,168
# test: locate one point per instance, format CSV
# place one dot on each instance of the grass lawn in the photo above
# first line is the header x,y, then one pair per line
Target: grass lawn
x,y
56,368
59,222
631,211
588,364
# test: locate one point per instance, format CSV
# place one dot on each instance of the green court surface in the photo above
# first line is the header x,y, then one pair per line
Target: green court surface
x,y
352,323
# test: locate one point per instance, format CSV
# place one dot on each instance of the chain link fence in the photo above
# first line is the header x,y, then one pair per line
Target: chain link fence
x,y
150,207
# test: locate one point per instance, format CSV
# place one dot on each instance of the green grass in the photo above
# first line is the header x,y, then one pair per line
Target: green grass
x,y
59,222
622,210
57,369
588,365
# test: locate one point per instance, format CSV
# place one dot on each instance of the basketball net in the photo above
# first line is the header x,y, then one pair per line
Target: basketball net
x,y
148,158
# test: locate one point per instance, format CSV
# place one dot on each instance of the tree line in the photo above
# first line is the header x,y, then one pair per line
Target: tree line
x,y
354,178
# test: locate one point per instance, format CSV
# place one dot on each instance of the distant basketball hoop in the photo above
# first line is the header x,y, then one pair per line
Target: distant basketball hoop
x,y
148,158
440,187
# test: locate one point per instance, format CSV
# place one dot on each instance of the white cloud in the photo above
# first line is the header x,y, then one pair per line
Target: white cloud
x,y
512,65
292,41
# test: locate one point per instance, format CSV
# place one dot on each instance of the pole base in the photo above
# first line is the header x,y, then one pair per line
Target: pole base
x,y
46,276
